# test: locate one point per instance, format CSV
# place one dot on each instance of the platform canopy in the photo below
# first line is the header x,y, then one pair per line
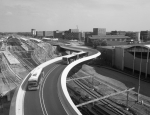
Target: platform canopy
x,y
11,59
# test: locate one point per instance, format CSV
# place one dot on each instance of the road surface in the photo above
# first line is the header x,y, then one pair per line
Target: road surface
x,y
45,101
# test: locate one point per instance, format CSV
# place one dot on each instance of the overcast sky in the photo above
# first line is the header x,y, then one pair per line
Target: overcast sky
x,y
125,15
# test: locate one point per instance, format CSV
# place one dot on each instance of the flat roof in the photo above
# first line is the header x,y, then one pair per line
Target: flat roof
x,y
25,39
11,59
107,47
38,40
47,38
128,46
108,37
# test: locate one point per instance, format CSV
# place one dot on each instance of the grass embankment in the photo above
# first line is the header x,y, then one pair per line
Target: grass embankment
x,y
45,53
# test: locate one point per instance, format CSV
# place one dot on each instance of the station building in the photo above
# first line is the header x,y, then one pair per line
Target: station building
x,y
133,58
67,34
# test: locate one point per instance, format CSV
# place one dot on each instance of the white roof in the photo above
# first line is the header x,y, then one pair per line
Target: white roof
x,y
81,52
10,58
148,46
54,39
25,39
68,56
36,39
47,38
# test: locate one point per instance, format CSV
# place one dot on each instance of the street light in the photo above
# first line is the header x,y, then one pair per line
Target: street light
x,y
139,78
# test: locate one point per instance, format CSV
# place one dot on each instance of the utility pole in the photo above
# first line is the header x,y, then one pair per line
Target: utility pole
x,y
78,33
139,77
127,108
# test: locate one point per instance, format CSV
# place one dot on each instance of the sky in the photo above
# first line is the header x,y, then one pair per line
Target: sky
x,y
50,15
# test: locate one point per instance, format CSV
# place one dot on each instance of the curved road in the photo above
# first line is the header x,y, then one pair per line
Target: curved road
x,y
45,101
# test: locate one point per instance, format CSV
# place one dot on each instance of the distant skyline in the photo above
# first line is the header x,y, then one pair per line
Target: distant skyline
x,y
49,15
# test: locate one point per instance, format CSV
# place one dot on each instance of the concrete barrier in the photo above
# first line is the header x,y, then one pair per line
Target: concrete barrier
x,y
64,97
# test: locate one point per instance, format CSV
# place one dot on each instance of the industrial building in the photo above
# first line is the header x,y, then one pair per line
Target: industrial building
x,y
145,36
113,37
99,31
132,35
134,58
33,32
73,30
39,33
118,32
69,34
49,34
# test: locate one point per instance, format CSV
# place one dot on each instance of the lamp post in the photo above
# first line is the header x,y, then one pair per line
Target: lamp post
x,y
139,85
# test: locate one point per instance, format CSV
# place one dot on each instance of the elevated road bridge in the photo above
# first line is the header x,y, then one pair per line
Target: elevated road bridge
x,y
44,101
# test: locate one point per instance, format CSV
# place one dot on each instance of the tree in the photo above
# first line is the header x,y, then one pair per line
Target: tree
x,y
99,42
104,43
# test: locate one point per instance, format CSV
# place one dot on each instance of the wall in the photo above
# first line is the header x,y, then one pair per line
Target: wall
x,y
70,36
143,64
128,60
119,55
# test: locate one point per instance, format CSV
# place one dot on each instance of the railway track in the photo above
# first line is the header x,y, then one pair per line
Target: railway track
x,y
21,61
6,76
7,80
105,107
27,56
24,58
